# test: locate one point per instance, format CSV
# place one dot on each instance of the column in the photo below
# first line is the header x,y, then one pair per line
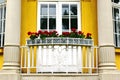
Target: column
x,y
105,36
12,35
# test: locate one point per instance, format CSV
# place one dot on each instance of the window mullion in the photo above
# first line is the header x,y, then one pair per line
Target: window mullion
x,y
69,19
59,17
48,18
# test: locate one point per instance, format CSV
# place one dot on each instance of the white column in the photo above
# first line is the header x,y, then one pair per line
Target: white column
x,y
105,35
12,35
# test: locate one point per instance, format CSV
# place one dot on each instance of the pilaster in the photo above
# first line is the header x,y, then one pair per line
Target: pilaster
x,y
107,66
105,35
11,64
12,34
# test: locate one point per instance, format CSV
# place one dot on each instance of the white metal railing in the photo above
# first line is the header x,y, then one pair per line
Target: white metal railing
x,y
87,62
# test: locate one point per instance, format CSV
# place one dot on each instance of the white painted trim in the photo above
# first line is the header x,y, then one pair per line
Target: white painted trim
x,y
59,17
59,29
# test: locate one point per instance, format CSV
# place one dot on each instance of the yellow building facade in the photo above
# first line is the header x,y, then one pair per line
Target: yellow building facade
x,y
99,61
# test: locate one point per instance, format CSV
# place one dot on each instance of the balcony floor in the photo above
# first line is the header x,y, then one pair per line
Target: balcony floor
x,y
59,76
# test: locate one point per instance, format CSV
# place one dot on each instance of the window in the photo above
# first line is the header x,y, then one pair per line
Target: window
x,y
115,1
59,16
116,21
2,23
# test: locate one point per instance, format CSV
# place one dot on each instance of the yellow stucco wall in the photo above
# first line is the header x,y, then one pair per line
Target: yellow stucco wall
x,y
118,60
88,15
1,57
29,18
88,18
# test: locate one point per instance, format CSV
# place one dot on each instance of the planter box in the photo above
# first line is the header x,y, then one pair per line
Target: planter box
x,y
61,41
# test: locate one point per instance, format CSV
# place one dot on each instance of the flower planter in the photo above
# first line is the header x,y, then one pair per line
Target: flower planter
x,y
31,42
59,40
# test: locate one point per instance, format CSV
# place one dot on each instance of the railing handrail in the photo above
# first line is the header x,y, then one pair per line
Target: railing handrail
x,y
60,41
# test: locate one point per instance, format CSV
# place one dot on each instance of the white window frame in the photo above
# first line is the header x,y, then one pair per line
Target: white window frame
x,y
117,42
2,20
59,17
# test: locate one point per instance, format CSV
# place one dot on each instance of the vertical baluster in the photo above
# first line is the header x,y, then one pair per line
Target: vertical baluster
x,y
86,57
82,66
28,67
25,58
90,60
37,50
93,57
22,52
97,59
77,58
32,56
42,57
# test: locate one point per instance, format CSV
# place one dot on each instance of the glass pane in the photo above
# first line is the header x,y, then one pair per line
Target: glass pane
x,y
116,14
44,9
43,23
0,26
116,1
65,23
1,1
3,40
52,9
116,39
65,9
115,27
0,13
52,23
74,23
4,26
118,27
73,9
4,12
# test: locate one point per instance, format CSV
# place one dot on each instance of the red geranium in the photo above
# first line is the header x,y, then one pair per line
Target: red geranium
x,y
65,34
74,34
73,29
29,33
88,36
40,32
33,35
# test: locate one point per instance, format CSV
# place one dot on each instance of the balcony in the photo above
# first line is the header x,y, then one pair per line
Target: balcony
x,y
59,55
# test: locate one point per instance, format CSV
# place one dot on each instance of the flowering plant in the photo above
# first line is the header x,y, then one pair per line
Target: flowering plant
x,y
33,35
88,36
44,34
73,34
